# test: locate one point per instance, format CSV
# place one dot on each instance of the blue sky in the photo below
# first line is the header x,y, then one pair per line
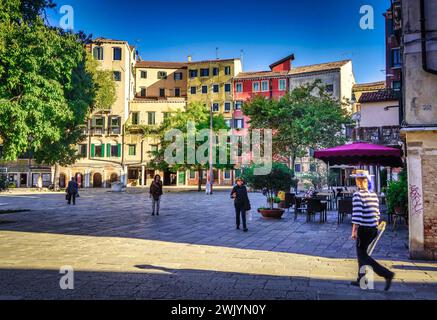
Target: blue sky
x,y
314,30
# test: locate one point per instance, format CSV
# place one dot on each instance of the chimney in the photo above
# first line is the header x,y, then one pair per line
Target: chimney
x,y
189,58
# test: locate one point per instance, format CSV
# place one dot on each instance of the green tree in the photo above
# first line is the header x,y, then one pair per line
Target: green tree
x,y
194,112
307,117
48,85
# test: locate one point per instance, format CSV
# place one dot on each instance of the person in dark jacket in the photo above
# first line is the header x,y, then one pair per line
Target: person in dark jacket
x,y
72,190
156,193
241,202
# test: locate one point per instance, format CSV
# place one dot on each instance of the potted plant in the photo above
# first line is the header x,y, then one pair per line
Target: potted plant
x,y
278,179
397,195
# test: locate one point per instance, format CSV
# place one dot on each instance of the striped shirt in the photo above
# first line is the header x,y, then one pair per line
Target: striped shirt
x,y
365,211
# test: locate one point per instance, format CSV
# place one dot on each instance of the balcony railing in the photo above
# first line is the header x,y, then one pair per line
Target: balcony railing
x,y
388,135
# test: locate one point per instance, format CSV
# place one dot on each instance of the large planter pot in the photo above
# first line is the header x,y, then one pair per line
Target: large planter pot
x,y
275,213
117,187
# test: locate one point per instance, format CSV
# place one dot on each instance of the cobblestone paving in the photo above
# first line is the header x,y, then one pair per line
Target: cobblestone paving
x,y
191,251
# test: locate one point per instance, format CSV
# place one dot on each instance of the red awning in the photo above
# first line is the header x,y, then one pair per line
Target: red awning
x,y
361,153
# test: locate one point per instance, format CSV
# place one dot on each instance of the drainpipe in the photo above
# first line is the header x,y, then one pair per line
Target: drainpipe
x,y
425,66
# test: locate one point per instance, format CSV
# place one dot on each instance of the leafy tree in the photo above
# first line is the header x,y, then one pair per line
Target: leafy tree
x,y
307,117
199,114
48,85
279,179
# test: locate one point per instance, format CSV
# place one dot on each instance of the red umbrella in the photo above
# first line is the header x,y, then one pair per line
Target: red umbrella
x,y
361,153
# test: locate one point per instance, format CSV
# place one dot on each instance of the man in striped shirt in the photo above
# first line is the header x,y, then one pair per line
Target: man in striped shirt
x,y
365,220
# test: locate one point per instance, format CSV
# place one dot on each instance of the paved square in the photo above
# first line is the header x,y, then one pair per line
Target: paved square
x,y
191,251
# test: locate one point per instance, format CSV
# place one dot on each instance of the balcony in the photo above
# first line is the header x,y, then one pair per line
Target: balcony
x,y
388,136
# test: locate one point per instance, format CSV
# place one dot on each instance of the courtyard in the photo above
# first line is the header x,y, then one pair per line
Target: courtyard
x,y
191,251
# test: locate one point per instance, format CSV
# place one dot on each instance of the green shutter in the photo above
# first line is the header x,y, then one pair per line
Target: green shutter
x,y
92,150
119,150
103,150
108,150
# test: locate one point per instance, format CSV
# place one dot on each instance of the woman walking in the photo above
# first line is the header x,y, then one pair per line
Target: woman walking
x,y
241,203
155,194
365,220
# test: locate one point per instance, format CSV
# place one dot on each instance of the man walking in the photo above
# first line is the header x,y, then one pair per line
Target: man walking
x,y
156,193
72,190
365,220
241,203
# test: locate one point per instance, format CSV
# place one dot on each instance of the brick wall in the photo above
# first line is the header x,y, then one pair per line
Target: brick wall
x,y
429,171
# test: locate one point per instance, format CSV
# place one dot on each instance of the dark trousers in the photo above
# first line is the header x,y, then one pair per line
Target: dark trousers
x,y
365,236
71,196
240,211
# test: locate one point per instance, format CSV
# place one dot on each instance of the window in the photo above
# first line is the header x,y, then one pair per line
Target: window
x,y
114,150
227,107
178,76
162,92
150,118
98,151
82,150
239,87
177,92
132,150
204,72
297,167
117,76
143,92
193,73
98,53
228,123
192,174
238,105
239,124
135,118
215,71
162,75
227,87
227,70
215,88
329,88
227,174
265,86
255,87
282,84
215,107
204,89
143,74
117,54
396,58
396,85
193,90
97,125
114,124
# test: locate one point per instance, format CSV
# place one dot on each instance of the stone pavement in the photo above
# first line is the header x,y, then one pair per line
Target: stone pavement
x,y
190,251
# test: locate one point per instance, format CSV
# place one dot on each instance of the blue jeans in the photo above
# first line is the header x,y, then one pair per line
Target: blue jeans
x,y
240,211
155,204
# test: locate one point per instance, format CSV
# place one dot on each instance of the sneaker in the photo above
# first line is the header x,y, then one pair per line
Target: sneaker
x,y
153,214
388,281
355,283
245,230
238,227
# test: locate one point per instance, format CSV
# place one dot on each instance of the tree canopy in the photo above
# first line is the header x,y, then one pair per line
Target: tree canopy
x,y
307,117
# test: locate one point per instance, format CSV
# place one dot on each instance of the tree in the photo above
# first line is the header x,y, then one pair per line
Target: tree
x,y
307,117
279,179
48,85
199,114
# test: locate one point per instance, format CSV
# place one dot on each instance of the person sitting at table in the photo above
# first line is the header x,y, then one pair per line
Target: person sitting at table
x,y
310,193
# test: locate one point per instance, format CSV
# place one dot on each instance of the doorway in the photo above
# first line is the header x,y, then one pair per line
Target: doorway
x,y
23,180
97,180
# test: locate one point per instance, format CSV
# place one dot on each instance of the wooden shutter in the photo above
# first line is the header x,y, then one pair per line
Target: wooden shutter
x,y
92,150
119,150
108,150
103,150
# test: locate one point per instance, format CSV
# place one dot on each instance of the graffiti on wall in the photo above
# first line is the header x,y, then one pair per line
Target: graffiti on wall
x,y
416,200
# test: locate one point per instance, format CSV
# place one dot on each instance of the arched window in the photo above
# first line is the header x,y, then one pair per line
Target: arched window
x,y
98,53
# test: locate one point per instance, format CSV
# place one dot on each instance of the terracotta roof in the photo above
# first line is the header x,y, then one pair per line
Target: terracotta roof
x,y
379,96
260,74
213,60
319,67
379,85
294,71
160,64
291,56
101,39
